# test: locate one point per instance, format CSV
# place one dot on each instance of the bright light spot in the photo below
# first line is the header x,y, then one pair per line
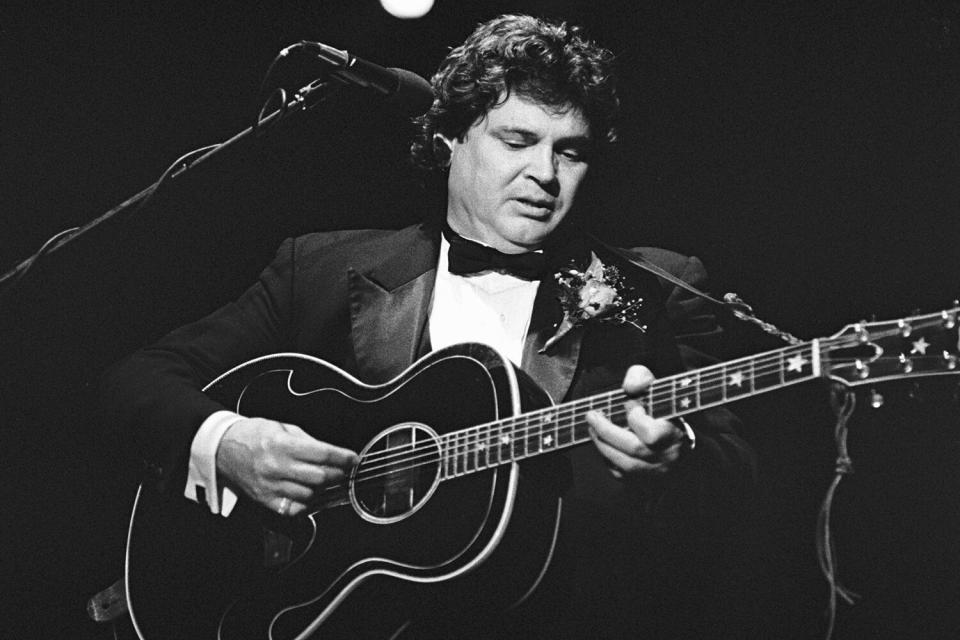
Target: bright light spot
x,y
407,8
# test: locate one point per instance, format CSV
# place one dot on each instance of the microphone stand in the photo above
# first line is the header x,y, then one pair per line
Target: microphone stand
x,y
307,97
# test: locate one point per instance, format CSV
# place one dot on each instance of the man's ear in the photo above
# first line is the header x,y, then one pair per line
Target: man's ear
x,y
442,149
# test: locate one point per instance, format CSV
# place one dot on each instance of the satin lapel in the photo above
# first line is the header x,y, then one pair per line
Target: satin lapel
x,y
552,370
389,308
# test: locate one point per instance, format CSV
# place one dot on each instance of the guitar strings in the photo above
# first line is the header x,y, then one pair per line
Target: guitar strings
x,y
660,391
519,428
571,410
465,442
709,379
658,394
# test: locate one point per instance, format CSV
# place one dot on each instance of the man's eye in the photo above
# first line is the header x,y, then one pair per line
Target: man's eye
x,y
574,155
515,144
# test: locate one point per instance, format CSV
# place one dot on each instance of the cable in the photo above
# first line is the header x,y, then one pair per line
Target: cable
x,y
843,401
180,164
283,105
264,100
144,197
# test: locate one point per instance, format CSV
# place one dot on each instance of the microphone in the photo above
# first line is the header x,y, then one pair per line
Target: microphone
x,y
397,85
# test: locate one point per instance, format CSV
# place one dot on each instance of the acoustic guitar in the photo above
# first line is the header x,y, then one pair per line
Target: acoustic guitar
x,y
453,508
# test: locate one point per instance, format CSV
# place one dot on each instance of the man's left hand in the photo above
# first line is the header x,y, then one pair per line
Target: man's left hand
x,y
645,446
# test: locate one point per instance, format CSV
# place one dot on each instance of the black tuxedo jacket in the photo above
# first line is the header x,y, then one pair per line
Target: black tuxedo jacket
x,y
360,300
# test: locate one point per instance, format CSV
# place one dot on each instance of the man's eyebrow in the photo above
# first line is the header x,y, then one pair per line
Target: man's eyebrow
x,y
515,129
578,139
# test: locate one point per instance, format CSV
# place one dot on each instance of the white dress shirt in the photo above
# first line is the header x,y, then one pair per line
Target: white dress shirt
x,y
488,307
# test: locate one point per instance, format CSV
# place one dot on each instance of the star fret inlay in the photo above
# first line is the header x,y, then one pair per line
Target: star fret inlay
x,y
796,363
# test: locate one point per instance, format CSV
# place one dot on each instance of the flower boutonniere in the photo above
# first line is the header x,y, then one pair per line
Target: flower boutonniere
x,y
597,294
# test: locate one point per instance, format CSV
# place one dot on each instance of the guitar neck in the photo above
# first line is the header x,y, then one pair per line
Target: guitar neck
x,y
561,426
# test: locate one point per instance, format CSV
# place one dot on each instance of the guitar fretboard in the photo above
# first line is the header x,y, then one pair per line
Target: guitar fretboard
x,y
531,434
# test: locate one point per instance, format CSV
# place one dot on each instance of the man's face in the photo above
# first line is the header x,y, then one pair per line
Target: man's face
x,y
515,174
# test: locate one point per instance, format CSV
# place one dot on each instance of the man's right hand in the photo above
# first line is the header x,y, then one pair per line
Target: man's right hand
x,y
279,465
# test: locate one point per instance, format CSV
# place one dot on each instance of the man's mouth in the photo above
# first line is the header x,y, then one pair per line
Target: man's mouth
x,y
539,205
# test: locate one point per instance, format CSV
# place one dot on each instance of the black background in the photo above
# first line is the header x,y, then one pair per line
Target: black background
x,y
808,152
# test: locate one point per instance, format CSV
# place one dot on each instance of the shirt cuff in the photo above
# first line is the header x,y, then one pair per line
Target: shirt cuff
x,y
202,473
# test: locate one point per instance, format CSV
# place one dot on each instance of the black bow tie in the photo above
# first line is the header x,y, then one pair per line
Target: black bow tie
x,y
466,257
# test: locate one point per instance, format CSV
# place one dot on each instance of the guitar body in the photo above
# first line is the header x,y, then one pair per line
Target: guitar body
x,y
418,542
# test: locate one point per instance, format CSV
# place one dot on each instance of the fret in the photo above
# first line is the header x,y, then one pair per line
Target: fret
x,y
767,374
646,401
455,454
504,444
672,408
465,452
565,431
451,455
661,399
493,450
798,366
737,380
532,435
712,387
469,451
724,379
556,427
579,430
458,457
686,392
610,405
553,436
444,457
483,461
519,444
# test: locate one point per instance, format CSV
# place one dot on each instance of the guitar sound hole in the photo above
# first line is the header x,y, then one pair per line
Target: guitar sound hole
x,y
398,472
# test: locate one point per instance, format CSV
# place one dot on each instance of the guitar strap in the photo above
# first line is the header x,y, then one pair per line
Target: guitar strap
x,y
731,302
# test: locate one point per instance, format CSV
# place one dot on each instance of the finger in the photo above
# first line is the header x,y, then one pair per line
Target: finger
x,y
621,464
603,430
287,507
292,491
637,380
654,434
315,475
305,447
664,446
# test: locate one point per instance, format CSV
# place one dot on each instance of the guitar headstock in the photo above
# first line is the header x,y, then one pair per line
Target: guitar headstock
x,y
867,352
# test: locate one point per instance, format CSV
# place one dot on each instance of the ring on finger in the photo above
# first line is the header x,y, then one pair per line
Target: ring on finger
x,y
284,506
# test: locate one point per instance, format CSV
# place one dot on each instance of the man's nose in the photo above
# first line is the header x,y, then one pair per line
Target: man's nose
x,y
543,166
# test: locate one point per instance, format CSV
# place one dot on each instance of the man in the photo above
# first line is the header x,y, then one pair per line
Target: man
x,y
521,110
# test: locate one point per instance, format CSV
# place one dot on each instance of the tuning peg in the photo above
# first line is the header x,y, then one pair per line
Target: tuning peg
x,y
876,399
863,371
862,334
949,318
906,363
950,359
905,328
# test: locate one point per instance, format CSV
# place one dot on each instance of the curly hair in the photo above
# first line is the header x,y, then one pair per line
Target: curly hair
x,y
548,62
